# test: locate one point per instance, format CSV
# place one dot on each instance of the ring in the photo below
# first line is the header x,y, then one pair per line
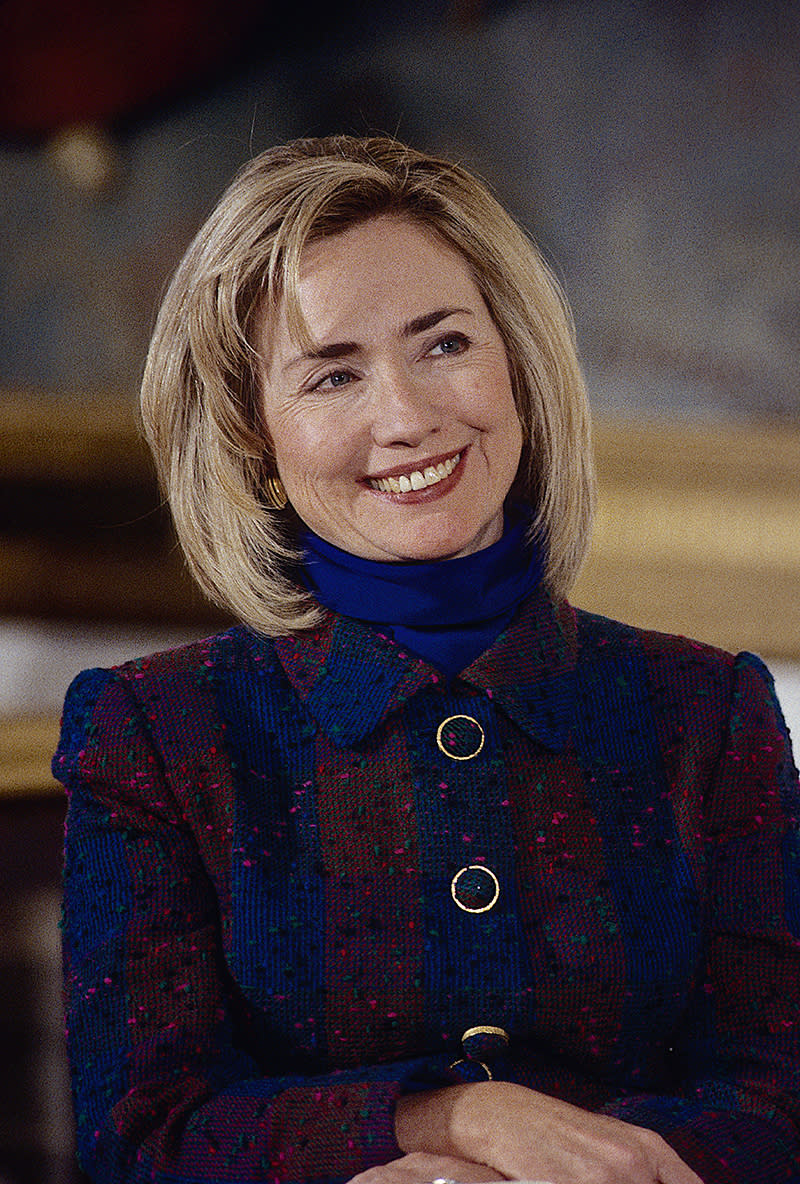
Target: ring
x,y
442,1180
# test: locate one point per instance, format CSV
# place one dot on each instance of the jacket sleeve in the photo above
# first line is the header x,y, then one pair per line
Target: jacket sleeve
x,y
737,1119
163,1089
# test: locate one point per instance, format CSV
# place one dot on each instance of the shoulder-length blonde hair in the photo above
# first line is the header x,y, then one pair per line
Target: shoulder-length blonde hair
x,y
200,393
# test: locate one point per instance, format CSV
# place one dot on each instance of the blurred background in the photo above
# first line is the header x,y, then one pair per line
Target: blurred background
x,y
651,150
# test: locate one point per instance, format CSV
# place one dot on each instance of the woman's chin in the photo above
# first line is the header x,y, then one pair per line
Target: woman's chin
x,y
429,546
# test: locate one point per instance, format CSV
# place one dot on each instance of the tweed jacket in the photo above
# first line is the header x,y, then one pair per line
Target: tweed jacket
x,y
306,875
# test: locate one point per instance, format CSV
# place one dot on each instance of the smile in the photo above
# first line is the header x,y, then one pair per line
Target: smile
x,y
417,478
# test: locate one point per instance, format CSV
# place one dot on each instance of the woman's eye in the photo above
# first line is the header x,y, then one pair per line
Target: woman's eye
x,y
454,343
336,378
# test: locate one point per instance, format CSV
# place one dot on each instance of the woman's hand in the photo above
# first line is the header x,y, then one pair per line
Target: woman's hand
x,y
422,1168
526,1135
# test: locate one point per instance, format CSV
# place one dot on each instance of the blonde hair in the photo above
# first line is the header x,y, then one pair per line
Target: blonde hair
x,y
200,395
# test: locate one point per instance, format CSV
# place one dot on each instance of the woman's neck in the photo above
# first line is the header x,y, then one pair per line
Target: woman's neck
x,y
446,611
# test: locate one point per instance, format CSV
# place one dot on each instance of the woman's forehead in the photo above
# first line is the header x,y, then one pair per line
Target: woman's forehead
x,y
387,268
385,258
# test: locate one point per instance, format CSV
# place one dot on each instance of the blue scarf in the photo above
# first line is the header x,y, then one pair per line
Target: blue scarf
x,y
447,612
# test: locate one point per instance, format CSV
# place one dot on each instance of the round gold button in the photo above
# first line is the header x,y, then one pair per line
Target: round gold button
x,y
460,737
475,888
484,1042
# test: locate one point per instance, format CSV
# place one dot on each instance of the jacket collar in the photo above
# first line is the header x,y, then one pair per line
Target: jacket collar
x,y
351,677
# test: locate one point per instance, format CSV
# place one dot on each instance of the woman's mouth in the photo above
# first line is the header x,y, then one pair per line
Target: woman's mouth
x,y
416,479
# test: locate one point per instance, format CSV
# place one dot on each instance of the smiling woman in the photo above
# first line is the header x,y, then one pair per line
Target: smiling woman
x,y
233,335
417,873
396,436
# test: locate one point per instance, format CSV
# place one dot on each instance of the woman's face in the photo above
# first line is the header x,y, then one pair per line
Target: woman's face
x,y
396,437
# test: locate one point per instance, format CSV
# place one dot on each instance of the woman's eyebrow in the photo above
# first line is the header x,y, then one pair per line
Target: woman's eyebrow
x,y
429,319
336,349
343,349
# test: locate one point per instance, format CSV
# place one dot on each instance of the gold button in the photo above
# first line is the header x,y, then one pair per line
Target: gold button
x,y
460,737
471,1065
484,1042
475,888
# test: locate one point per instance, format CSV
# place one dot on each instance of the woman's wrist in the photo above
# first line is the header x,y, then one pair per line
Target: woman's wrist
x,y
461,1120
478,1120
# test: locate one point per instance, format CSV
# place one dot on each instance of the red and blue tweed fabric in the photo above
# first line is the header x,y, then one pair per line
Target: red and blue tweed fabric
x,y
263,950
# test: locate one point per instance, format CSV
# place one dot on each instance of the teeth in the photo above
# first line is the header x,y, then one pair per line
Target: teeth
x,y
416,479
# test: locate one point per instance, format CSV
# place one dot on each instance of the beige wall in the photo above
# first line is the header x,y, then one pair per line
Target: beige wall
x,y
698,532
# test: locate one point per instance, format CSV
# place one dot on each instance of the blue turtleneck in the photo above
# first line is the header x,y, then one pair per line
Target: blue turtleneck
x,y
447,612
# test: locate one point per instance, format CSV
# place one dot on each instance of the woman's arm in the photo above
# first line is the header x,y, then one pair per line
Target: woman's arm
x,y
164,1088
738,1116
530,1136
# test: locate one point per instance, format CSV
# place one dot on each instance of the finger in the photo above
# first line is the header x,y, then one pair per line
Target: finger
x,y
671,1169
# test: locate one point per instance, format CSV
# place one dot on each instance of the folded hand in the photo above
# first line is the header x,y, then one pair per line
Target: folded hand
x,y
525,1135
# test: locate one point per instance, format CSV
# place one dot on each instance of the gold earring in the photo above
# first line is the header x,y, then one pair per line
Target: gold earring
x,y
274,494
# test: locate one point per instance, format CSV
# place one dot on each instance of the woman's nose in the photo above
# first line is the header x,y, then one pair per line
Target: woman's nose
x,y
404,411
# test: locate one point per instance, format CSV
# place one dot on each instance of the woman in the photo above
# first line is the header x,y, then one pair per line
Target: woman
x,y
418,872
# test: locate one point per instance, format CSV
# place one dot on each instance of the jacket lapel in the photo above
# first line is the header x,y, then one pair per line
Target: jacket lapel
x,y
529,672
350,677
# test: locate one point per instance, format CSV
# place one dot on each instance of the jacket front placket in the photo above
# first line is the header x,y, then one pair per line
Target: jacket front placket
x,y
428,824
